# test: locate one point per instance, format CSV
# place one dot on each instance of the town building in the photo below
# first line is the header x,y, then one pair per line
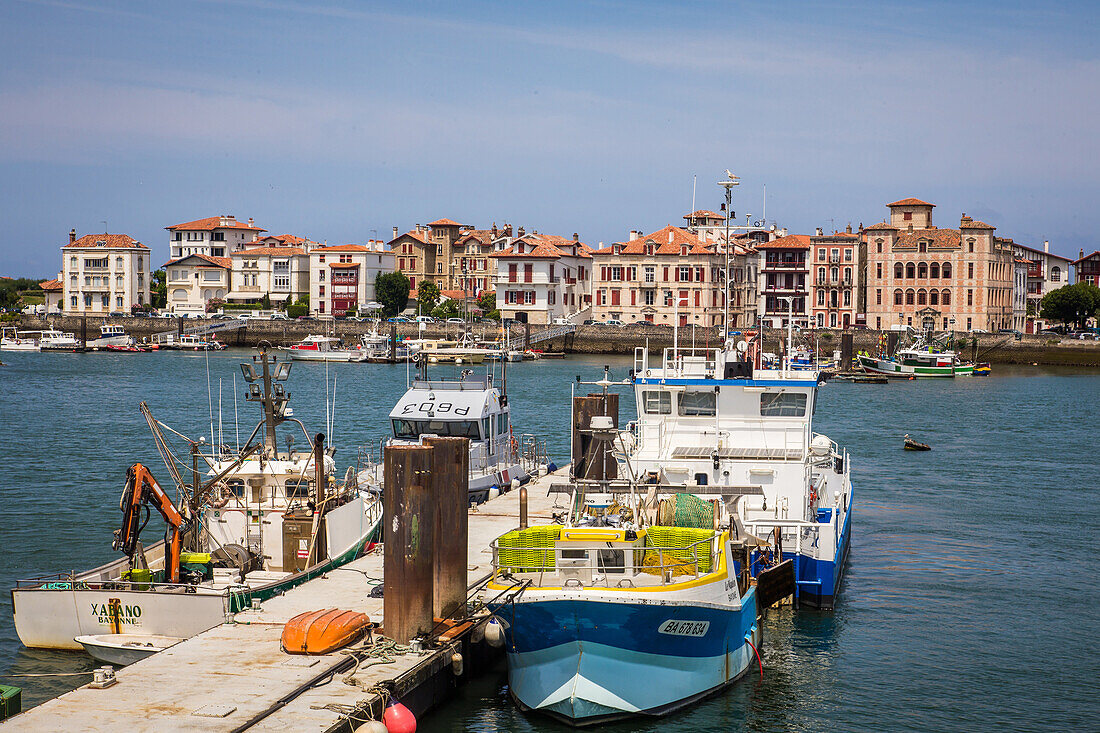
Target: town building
x,y
453,256
1019,294
1087,268
742,278
194,280
951,279
543,277
214,236
835,300
54,292
341,277
280,273
784,287
1046,271
667,277
101,273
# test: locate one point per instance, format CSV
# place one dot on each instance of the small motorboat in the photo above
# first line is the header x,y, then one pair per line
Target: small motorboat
x,y
911,444
124,649
983,369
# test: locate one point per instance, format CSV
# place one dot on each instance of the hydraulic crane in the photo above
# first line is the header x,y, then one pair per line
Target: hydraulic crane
x,y
142,490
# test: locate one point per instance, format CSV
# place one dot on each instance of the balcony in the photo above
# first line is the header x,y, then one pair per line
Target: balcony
x,y
778,265
798,289
836,282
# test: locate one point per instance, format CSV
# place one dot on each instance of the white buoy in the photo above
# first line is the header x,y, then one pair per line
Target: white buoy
x,y
515,484
372,726
494,492
456,664
494,633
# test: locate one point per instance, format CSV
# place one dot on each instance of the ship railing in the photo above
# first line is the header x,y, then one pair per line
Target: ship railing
x,y
63,581
532,452
681,362
472,382
668,564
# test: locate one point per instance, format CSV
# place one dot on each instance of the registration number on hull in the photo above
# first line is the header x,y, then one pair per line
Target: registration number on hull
x,y
684,628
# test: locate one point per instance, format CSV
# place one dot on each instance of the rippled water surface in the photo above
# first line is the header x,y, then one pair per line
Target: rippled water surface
x,y
970,600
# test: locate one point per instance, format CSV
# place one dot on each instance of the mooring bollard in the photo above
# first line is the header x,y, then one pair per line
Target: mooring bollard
x,y
523,508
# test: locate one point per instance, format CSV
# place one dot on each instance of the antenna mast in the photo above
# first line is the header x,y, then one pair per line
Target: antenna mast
x,y
728,185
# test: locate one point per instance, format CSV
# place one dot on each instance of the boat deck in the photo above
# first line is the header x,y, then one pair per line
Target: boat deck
x,y
218,680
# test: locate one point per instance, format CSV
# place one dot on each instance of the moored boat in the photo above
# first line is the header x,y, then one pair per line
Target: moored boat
x,y
123,649
926,356
12,340
316,347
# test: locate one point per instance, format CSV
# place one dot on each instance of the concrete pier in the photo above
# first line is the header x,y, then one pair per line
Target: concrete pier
x,y
222,678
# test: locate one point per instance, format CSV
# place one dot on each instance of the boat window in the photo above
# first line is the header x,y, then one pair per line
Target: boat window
x,y
782,404
236,485
297,488
502,423
611,561
657,403
412,429
486,426
697,404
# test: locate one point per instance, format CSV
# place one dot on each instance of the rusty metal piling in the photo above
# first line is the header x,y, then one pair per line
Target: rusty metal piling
x,y
451,486
409,534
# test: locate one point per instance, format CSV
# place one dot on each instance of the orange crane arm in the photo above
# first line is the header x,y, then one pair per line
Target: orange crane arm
x,y
143,489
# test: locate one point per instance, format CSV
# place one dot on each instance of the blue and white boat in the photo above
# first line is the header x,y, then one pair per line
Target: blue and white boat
x,y
722,502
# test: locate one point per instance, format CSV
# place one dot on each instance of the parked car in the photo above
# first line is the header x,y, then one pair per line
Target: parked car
x,y
589,322
118,314
563,321
456,320
613,322
399,319
278,317
425,319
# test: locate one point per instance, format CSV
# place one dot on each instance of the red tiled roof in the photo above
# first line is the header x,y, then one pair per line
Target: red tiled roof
x,y
216,261
545,246
791,241
485,236
881,225
910,202
838,236
418,236
344,265
110,241
937,237
344,248
284,240
269,251
214,222
975,224
48,284
444,223
660,239
1096,253
457,294
704,214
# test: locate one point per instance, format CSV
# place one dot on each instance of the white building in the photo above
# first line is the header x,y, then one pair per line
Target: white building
x,y
193,280
101,273
1019,294
342,277
1046,271
281,273
215,236
541,277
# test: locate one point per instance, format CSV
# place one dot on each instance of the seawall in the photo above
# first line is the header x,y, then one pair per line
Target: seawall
x,y
995,348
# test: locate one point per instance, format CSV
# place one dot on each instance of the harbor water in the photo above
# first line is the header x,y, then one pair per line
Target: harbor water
x,y
970,599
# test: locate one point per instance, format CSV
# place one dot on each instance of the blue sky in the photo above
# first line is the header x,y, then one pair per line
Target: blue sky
x,y
339,121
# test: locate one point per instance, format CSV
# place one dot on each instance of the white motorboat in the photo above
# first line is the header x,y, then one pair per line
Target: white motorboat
x,y
112,334
51,339
264,520
317,347
124,649
12,340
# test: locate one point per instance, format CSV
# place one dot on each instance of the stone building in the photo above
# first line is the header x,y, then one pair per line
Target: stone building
x,y
101,273
454,256
742,291
541,277
946,279
281,273
836,279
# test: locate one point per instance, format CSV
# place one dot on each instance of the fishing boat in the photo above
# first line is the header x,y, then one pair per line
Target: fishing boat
x,y
464,351
123,649
467,405
248,524
12,340
925,356
716,502
51,339
191,342
317,347
112,335
911,444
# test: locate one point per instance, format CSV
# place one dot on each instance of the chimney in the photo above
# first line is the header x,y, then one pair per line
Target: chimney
x,y
520,231
1046,246
818,231
848,229
251,223
72,236
395,232
670,236
508,230
493,231
783,232
634,234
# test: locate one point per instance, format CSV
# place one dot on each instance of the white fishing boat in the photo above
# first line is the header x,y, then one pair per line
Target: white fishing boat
x,y
467,406
124,649
720,501
12,340
248,524
191,342
51,339
111,334
318,347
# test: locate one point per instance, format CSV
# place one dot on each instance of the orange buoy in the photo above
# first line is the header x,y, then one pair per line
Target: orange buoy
x,y
320,632
398,718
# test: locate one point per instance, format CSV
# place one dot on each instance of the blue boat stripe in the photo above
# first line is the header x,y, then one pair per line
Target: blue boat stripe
x,y
731,382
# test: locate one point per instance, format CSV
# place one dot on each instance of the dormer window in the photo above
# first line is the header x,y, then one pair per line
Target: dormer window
x,y
683,249
616,249
649,249
922,246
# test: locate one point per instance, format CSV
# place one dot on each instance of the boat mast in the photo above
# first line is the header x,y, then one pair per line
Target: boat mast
x,y
273,396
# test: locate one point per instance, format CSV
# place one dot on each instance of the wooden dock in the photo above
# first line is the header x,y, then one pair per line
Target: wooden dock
x,y
223,678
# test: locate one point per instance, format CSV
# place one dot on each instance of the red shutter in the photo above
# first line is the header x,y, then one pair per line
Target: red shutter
x,y
676,273
697,294
615,296
634,297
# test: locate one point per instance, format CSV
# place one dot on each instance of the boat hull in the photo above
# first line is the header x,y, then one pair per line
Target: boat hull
x,y
305,355
590,661
123,649
895,369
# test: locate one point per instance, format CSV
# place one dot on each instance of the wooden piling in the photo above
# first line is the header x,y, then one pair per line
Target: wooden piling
x,y
409,552
845,351
451,486
393,344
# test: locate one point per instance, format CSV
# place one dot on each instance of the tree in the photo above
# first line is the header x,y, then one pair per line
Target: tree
x,y
158,289
1071,304
487,302
392,291
427,296
265,302
11,287
447,309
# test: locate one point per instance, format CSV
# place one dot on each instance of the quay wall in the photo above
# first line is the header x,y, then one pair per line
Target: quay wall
x,y
593,339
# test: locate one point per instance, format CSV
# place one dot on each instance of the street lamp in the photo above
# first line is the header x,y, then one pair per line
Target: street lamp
x,y
728,184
